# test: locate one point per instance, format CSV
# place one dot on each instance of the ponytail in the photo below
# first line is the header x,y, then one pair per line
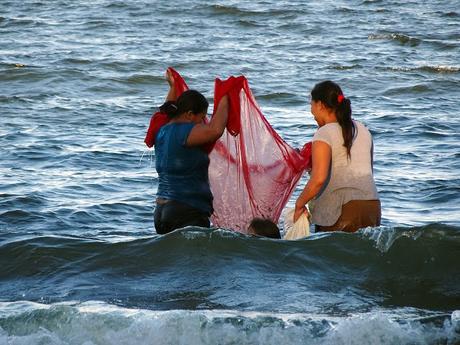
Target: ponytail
x,y
331,95
190,100
343,114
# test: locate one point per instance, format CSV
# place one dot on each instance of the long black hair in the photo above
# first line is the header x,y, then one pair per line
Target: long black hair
x,y
332,97
190,100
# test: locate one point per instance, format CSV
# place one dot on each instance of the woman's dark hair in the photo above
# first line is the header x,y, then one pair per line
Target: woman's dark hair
x,y
190,100
331,95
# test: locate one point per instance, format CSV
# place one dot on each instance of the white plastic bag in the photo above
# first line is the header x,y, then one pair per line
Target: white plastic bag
x,y
297,230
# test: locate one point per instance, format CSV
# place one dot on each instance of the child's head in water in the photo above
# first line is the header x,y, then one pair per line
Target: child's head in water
x,y
263,227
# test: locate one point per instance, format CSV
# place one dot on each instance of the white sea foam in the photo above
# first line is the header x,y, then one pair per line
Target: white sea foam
x,y
379,329
94,323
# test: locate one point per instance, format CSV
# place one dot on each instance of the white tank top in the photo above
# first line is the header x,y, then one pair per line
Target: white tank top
x,y
349,179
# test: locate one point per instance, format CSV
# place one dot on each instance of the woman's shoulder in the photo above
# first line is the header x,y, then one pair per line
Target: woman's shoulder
x,y
361,127
178,126
327,133
328,128
359,124
176,131
331,126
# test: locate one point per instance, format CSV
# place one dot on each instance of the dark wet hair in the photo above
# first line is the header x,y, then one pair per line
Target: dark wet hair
x,y
265,227
190,100
331,95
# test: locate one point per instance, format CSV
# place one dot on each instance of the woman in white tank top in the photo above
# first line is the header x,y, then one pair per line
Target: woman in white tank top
x,y
341,192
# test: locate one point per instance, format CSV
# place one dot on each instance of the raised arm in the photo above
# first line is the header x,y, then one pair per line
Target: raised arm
x,y
321,155
171,96
205,133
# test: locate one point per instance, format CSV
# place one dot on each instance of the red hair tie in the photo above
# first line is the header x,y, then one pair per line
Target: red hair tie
x,y
340,98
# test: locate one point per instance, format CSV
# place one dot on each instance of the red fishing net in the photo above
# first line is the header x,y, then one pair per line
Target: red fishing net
x,y
252,171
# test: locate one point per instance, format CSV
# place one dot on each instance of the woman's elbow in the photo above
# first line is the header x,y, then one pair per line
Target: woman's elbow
x,y
317,184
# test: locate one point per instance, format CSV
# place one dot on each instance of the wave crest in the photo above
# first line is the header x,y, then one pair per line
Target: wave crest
x,y
95,322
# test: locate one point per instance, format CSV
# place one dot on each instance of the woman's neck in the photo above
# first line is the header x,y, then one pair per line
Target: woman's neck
x,y
180,119
328,117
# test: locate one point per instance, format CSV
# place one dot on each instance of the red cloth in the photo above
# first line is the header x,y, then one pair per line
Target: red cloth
x,y
159,119
252,172
231,87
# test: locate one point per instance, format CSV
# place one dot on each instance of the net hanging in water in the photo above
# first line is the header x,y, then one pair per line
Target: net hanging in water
x,y
252,171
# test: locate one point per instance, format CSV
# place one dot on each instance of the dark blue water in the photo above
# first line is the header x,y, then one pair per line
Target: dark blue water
x,y
80,262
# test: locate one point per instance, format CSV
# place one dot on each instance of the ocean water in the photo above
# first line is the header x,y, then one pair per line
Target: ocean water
x,y
80,262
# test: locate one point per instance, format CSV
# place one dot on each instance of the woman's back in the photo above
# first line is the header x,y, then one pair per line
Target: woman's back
x,y
350,178
182,170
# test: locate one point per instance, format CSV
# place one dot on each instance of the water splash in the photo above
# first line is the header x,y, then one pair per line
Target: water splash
x,y
384,237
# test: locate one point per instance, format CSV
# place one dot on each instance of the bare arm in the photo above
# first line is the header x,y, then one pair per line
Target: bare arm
x,y
171,96
321,154
205,133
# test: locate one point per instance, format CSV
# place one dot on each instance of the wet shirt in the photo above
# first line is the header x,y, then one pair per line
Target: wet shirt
x,y
349,179
182,170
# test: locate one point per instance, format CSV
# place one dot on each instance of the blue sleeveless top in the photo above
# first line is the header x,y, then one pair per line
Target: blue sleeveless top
x,y
182,170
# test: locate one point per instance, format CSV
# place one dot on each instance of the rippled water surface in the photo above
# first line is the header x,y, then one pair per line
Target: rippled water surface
x,y
80,261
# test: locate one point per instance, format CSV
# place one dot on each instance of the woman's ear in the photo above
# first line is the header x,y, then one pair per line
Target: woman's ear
x,y
189,115
321,105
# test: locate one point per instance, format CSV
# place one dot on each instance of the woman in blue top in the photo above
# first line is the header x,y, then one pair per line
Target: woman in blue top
x,y
184,196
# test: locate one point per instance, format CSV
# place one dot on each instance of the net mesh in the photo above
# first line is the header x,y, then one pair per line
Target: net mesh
x,y
252,171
